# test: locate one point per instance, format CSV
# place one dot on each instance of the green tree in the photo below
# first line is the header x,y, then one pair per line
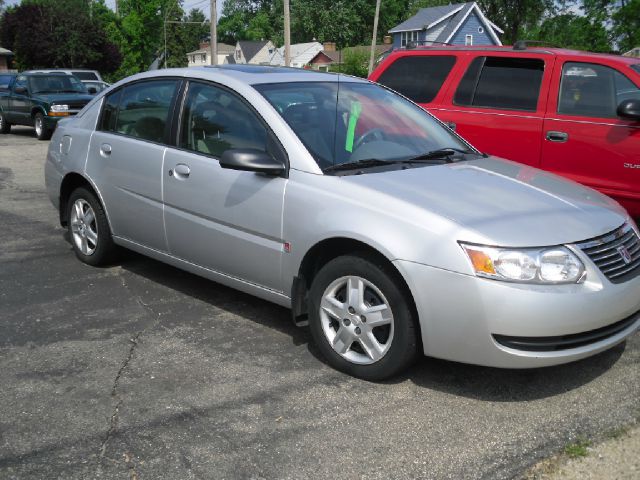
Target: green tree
x,y
517,17
42,34
626,25
572,31
355,62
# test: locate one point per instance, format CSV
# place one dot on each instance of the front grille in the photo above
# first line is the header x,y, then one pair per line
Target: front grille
x,y
564,342
617,254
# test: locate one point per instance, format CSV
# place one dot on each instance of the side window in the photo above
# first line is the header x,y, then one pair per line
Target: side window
x,y
5,80
21,81
144,109
418,77
110,112
215,120
501,82
592,90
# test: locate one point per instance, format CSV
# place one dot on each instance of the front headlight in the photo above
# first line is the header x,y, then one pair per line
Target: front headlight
x,y
525,265
59,108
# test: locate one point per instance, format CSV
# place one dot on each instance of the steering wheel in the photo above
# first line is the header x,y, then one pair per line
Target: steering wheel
x,y
368,136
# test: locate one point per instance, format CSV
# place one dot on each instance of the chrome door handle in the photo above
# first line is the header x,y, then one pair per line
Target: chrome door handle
x,y
180,171
559,137
105,149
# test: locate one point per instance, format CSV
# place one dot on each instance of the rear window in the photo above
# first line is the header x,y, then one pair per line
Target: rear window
x,y
85,75
418,78
503,83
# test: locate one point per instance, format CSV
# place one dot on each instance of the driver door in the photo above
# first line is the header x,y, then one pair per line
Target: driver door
x,y
584,139
227,221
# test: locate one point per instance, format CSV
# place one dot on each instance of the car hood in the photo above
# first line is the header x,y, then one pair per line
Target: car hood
x,y
501,202
61,98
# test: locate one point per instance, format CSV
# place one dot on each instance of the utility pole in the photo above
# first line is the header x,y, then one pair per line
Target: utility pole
x,y
287,35
214,33
375,35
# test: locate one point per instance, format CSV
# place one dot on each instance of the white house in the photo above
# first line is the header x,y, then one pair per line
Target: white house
x,y
301,54
202,56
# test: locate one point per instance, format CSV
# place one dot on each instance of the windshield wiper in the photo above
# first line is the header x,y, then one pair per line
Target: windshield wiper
x,y
366,163
440,154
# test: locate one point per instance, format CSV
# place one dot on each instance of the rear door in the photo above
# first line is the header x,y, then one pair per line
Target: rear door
x,y
228,221
584,138
125,158
499,104
20,103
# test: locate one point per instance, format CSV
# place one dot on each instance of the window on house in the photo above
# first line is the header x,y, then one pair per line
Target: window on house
x,y
501,82
406,37
593,90
480,30
418,78
468,40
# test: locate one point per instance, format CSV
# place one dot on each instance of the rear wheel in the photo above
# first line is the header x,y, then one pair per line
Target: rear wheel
x,y
361,318
88,228
42,132
5,127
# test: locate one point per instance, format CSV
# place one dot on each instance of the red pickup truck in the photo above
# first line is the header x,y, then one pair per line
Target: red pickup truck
x,y
573,113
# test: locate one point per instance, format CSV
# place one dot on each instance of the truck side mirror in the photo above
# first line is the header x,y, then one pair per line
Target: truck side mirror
x,y
20,90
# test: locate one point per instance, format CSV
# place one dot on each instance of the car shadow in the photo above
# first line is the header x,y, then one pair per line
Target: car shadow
x,y
471,381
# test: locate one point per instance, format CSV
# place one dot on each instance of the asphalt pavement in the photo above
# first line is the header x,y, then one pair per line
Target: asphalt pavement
x,y
142,371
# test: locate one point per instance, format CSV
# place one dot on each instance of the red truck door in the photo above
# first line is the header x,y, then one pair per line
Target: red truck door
x,y
584,139
499,102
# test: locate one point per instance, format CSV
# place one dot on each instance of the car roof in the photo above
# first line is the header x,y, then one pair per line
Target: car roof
x,y
252,74
507,48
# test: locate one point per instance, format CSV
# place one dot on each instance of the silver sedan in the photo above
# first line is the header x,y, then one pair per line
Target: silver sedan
x,y
380,228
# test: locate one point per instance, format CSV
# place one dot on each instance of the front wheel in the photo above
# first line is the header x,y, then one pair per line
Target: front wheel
x,y
361,318
42,132
5,127
89,228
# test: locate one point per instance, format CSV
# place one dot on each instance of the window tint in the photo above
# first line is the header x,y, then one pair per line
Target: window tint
x,y
144,109
85,75
215,120
21,81
5,80
418,78
593,90
56,83
110,112
505,83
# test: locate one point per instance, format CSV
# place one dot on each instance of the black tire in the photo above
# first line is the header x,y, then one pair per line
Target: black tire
x,y
403,341
104,250
42,132
5,127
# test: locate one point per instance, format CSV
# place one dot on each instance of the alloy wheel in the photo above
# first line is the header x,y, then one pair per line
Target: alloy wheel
x,y
357,320
84,228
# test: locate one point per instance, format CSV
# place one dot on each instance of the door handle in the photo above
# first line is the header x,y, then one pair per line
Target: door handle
x,y
105,149
559,137
180,171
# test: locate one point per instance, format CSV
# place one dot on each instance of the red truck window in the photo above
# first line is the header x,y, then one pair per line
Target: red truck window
x,y
418,78
592,90
501,82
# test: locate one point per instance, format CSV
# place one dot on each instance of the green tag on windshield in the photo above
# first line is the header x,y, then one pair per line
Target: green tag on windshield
x,y
354,115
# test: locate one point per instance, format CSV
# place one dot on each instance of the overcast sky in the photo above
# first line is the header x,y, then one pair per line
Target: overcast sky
x,y
203,5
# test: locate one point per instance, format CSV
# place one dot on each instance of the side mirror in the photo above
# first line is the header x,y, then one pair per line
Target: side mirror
x,y
629,109
20,90
251,160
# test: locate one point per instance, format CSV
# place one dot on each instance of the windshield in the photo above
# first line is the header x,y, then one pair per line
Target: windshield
x,y
56,84
346,122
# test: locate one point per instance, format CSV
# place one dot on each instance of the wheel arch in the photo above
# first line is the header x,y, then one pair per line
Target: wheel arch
x,y
37,109
323,252
71,182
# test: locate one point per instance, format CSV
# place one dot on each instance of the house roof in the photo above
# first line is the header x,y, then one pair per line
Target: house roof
x,y
302,52
251,48
427,17
448,19
223,49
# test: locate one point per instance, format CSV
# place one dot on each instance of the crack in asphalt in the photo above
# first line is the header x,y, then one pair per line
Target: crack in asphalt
x,y
113,422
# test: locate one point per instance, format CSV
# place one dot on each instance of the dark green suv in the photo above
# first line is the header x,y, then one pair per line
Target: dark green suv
x,y
40,100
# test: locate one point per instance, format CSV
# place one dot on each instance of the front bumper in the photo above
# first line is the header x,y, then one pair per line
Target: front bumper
x,y
462,317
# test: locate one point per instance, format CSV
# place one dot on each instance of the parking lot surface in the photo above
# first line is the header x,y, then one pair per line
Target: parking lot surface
x,y
142,371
